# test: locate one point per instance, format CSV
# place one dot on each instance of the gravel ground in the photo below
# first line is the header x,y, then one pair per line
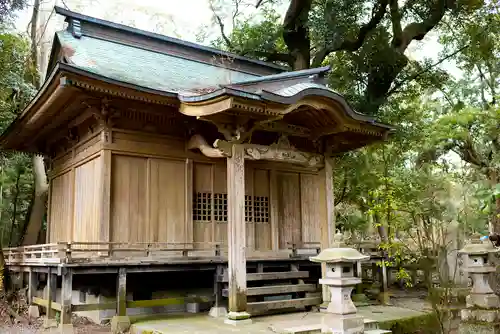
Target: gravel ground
x,y
81,325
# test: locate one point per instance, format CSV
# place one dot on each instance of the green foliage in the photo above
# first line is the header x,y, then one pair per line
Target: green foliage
x,y
424,324
16,179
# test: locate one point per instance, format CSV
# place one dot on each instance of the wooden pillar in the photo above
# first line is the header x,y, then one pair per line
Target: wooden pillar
x,y
236,230
32,285
66,296
105,189
50,296
121,293
328,213
121,323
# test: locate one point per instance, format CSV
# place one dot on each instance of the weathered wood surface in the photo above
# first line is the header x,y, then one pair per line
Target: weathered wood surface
x,y
277,289
274,153
236,231
270,276
86,253
263,307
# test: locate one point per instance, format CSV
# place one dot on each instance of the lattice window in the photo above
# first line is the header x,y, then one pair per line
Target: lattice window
x,y
248,209
261,209
202,207
220,210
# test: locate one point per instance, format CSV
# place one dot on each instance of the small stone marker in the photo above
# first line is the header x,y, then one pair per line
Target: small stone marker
x,y
482,314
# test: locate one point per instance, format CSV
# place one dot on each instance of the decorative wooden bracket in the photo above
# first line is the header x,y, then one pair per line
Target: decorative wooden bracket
x,y
279,152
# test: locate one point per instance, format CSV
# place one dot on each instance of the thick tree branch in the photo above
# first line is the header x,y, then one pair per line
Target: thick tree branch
x,y
219,21
418,30
296,32
425,70
397,31
378,13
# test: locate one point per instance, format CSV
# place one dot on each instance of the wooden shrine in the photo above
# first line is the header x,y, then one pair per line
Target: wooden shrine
x,y
167,157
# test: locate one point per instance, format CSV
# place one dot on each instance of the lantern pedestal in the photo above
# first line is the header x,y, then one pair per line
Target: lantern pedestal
x,y
340,314
482,315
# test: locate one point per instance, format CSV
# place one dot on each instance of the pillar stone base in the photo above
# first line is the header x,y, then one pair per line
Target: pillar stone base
x,y
120,324
345,324
49,323
33,311
238,318
218,312
66,329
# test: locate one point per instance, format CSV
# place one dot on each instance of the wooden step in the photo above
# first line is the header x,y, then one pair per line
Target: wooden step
x,y
277,289
263,307
269,276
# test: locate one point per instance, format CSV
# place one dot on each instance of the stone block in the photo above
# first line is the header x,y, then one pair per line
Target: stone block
x,y
218,312
33,311
342,324
120,324
474,315
193,307
66,329
483,300
478,328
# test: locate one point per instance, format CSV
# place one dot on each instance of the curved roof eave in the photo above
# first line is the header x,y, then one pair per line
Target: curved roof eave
x,y
286,100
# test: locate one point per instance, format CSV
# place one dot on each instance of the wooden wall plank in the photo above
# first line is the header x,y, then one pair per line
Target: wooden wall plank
x,y
86,223
202,230
128,198
261,185
61,204
310,216
167,207
290,231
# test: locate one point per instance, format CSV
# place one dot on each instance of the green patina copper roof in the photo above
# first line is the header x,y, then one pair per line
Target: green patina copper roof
x,y
334,255
145,68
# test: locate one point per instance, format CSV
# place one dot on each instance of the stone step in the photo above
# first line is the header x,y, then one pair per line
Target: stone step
x,y
377,331
277,290
259,308
271,276
305,329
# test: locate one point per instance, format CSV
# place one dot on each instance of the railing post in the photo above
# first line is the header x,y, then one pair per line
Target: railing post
x,y
217,250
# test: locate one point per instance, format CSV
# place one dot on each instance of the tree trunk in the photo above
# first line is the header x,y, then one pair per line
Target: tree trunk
x,y
37,214
14,211
35,222
494,177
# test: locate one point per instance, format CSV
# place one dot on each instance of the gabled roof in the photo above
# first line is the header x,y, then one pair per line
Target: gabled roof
x,y
96,55
142,67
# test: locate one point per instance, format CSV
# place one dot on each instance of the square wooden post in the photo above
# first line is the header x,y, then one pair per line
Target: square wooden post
x,y
236,230
32,285
121,322
328,219
66,296
50,296
105,192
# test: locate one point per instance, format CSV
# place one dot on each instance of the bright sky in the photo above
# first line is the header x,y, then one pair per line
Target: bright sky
x,y
179,18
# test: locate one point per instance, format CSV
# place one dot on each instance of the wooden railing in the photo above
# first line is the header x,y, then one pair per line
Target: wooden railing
x,y
74,252
67,252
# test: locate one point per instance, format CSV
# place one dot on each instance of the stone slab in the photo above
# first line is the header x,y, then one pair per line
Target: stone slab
x,y
202,323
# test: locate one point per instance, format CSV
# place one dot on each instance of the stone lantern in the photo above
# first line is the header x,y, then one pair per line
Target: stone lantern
x,y
482,314
340,280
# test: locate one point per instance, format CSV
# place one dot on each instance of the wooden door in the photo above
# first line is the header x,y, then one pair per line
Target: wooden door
x,y
289,216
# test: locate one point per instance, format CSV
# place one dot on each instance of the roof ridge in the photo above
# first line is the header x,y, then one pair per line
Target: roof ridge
x,y
82,17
